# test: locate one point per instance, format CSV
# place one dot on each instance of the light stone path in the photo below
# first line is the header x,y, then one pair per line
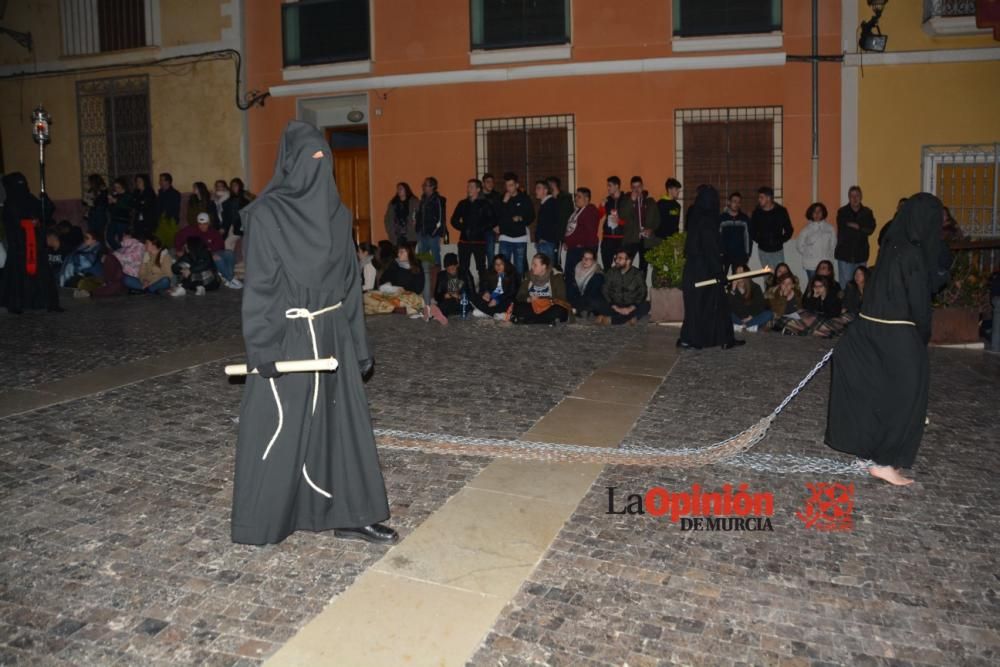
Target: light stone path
x,y
433,598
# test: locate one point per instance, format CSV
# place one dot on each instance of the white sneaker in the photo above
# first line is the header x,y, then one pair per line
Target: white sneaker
x,y
752,329
199,291
236,283
81,294
738,328
177,291
502,317
478,313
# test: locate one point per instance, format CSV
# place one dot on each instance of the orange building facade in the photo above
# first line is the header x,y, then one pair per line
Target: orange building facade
x,y
627,92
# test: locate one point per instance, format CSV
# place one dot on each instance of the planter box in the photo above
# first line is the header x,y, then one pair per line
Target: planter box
x,y
954,325
666,304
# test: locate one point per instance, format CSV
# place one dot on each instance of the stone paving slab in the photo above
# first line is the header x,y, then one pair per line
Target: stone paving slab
x,y
914,583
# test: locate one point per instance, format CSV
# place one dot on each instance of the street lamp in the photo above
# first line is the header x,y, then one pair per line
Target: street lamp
x,y
872,38
40,121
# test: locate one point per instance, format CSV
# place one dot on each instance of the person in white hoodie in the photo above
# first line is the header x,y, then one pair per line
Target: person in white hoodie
x,y
818,240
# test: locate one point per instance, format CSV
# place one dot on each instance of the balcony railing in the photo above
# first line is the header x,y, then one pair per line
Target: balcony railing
x,y
948,8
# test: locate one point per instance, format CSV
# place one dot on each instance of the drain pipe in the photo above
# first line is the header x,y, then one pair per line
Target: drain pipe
x,y
815,100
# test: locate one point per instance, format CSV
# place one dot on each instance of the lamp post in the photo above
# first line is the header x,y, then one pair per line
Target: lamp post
x,y
40,121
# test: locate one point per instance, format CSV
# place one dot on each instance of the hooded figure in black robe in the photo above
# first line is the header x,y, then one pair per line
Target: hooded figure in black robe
x,y
28,283
706,309
880,369
306,457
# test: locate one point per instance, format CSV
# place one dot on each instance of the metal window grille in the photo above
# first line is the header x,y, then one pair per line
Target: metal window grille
x,y
534,148
947,8
967,179
100,26
113,117
737,149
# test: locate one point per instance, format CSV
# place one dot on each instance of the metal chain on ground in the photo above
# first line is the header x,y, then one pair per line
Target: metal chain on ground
x,y
724,451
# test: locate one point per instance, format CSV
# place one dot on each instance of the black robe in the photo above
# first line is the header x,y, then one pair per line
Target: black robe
x,y
321,470
880,372
706,309
28,283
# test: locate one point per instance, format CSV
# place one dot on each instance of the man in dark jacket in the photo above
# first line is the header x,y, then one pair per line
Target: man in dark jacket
x,y
734,225
614,215
472,218
494,197
431,219
770,228
566,205
624,292
548,232
855,223
669,207
640,233
168,200
516,213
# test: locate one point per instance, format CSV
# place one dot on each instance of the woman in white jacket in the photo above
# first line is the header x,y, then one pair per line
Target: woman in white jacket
x,y
817,241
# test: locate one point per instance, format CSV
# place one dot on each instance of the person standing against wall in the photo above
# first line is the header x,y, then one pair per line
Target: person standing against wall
x,y
516,213
431,220
770,228
855,223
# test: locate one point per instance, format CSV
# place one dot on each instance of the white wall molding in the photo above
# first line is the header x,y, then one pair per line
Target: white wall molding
x,y
597,68
772,40
848,99
923,57
326,71
953,26
528,54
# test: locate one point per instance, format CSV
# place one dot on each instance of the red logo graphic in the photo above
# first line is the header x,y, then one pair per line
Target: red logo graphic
x,y
829,507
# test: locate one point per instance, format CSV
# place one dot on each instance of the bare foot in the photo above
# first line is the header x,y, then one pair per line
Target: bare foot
x,y
890,474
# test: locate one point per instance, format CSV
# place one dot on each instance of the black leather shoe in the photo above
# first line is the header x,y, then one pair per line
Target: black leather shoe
x,y
375,533
735,343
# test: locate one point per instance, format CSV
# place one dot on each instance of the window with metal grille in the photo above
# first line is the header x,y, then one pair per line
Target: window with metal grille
x,y
534,148
733,149
101,26
505,24
701,18
113,115
965,178
325,31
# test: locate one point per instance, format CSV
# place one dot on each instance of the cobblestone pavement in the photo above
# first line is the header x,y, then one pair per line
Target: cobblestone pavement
x,y
116,548
41,347
915,582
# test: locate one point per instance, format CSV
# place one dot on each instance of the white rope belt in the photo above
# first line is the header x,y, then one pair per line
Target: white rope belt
x,y
880,321
308,316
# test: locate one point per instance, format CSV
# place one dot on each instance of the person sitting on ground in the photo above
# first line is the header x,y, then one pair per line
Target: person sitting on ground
x,y
195,269
785,301
780,271
385,252
110,283
211,238
497,290
850,306
401,286
542,296
155,274
453,283
366,262
747,305
55,253
70,236
586,286
825,270
624,292
84,261
130,257
819,304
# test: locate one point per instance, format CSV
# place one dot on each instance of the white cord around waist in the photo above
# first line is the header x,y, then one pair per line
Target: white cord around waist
x,y
302,313
880,321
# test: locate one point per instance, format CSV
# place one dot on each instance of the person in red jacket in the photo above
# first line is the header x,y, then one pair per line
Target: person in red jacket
x,y
223,259
581,229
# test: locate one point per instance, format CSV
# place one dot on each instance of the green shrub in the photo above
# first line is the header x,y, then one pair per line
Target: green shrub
x,y
667,260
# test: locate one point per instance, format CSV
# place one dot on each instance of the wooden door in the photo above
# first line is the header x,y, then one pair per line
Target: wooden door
x,y
350,168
